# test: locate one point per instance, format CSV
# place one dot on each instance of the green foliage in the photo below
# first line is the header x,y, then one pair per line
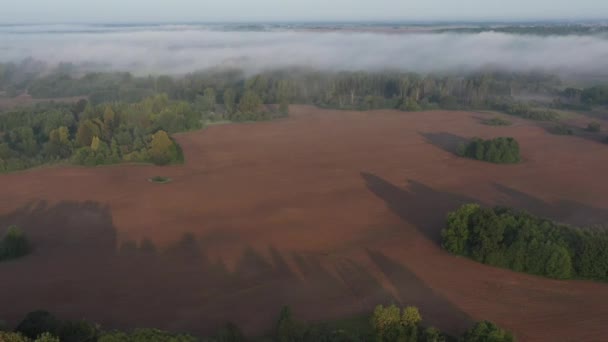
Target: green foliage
x,y
160,179
78,331
391,324
525,111
497,121
14,244
13,337
524,243
230,333
288,329
498,150
162,149
37,323
561,130
486,332
145,335
594,127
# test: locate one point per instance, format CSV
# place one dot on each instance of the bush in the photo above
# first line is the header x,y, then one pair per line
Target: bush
x,y
561,130
14,245
594,127
486,332
37,323
497,121
498,150
160,179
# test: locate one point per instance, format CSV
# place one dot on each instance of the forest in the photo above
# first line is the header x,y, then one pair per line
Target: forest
x,y
502,150
126,118
386,324
519,241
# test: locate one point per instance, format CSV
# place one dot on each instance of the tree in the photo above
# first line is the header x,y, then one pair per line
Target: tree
x,y
162,149
37,323
250,103
95,144
386,322
15,244
78,331
47,337
230,100
287,330
209,99
486,332
411,316
230,333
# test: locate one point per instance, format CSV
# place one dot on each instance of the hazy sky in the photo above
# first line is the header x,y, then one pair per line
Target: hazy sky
x,y
48,11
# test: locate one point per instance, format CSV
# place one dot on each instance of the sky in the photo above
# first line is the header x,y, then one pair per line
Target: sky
x,y
86,11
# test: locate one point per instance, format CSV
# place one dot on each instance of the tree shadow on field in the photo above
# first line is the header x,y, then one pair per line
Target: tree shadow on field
x,y
446,141
80,270
435,309
418,204
564,211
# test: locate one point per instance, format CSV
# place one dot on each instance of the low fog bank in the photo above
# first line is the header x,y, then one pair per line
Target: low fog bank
x,y
183,49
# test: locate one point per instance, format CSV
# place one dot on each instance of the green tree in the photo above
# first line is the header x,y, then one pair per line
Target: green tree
x,y
250,103
37,323
288,330
411,316
230,101
47,337
486,332
209,99
162,149
14,244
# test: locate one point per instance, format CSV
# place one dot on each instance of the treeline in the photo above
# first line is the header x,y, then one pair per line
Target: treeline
x,y
539,30
519,241
346,90
387,324
14,244
503,150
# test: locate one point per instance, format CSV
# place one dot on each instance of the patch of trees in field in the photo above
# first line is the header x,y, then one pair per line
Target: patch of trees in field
x,y
502,150
94,135
519,241
14,244
387,324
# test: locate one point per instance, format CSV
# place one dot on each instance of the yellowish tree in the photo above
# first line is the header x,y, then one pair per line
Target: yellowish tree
x,y
162,149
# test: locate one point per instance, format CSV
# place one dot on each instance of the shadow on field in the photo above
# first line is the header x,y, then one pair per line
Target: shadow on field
x,y
418,204
435,309
445,141
565,211
80,270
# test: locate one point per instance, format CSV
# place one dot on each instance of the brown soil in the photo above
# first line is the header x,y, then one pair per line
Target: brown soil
x,y
330,212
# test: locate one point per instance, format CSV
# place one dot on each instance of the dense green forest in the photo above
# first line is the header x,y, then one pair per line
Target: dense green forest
x,y
498,150
386,324
525,243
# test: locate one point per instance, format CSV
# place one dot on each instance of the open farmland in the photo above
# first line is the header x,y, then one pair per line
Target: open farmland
x,y
331,212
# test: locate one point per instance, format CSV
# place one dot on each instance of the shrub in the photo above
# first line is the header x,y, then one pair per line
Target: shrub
x,y
14,245
498,150
561,130
497,121
37,323
486,331
160,179
594,127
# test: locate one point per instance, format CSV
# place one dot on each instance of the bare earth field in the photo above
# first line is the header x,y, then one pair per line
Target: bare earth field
x,y
331,212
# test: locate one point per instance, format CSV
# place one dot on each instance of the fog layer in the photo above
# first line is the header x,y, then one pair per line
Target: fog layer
x,y
181,49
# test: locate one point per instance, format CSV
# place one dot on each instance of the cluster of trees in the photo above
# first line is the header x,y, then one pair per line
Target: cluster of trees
x,y
94,135
14,244
536,29
519,241
502,150
387,324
